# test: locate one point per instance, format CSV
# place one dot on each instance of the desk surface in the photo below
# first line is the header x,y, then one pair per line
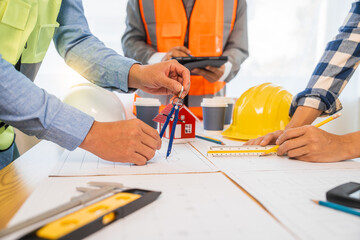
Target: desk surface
x,y
19,179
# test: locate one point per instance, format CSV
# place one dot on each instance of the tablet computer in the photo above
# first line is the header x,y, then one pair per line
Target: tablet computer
x,y
201,62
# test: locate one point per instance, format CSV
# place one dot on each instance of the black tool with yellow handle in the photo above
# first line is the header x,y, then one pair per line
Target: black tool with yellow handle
x,y
92,218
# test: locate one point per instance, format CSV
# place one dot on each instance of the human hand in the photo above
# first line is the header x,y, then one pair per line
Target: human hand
x,y
268,139
179,51
212,74
130,141
311,144
161,78
302,116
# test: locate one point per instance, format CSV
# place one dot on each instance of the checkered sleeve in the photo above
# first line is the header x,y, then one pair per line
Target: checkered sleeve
x,y
336,66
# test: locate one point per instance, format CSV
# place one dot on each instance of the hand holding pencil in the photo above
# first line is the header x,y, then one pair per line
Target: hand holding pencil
x,y
311,144
274,149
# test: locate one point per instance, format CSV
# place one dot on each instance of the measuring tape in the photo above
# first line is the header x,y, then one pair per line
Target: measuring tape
x,y
231,151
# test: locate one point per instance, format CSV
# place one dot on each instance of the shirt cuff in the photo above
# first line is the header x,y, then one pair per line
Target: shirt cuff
x,y
156,57
124,78
227,71
69,127
318,99
129,90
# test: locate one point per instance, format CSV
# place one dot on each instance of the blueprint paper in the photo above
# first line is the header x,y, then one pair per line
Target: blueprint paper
x,y
266,163
192,206
183,159
287,195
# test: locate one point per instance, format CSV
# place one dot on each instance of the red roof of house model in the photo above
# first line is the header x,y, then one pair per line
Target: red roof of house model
x,y
161,117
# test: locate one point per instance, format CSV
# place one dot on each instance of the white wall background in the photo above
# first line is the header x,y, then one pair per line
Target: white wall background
x,y
286,39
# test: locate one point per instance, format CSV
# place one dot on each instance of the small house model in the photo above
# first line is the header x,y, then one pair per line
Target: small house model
x,y
185,127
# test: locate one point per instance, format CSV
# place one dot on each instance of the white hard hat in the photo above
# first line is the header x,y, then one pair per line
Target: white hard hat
x,y
95,101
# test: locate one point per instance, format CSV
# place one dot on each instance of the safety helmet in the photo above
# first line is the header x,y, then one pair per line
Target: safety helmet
x,y
260,110
95,101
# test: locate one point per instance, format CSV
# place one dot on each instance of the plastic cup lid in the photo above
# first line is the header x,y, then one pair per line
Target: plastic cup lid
x,y
227,100
147,102
213,102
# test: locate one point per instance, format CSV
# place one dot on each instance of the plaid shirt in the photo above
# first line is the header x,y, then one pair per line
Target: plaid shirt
x,y
337,65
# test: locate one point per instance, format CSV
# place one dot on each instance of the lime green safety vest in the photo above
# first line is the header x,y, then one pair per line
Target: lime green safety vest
x,y
26,30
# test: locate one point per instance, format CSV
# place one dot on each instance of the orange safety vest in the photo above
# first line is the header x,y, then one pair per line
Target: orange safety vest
x,y
166,25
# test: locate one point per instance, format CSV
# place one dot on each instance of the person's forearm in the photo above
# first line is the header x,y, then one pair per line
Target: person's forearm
x,y
135,76
236,58
87,54
236,47
35,112
303,116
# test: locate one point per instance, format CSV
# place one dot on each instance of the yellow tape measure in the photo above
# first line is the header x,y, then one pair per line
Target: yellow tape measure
x,y
231,151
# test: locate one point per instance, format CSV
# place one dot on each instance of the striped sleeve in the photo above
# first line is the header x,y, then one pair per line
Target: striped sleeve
x,y
336,66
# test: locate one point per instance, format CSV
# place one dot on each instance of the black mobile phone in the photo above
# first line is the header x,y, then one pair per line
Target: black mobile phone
x,y
347,194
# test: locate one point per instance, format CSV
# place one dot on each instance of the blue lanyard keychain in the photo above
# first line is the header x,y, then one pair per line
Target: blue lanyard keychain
x,y
177,103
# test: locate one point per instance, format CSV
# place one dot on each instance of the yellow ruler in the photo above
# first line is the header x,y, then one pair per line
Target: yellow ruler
x,y
231,151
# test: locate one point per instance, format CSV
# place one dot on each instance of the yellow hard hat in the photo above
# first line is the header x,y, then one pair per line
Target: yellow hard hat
x,y
260,110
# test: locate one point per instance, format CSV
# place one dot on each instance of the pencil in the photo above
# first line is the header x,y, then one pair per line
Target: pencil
x,y
273,149
337,207
214,140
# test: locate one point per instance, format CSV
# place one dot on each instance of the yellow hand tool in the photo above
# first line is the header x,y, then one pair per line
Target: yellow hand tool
x,y
79,224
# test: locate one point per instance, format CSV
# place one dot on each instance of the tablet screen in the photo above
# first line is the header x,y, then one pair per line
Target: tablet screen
x,y
201,62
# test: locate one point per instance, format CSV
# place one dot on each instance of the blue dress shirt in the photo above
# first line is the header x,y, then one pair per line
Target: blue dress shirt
x,y
36,112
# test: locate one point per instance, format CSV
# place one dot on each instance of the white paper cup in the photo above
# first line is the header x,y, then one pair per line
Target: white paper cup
x,y
213,115
147,109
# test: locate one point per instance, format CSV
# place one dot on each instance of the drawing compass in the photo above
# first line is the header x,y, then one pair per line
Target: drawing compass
x,y
176,102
